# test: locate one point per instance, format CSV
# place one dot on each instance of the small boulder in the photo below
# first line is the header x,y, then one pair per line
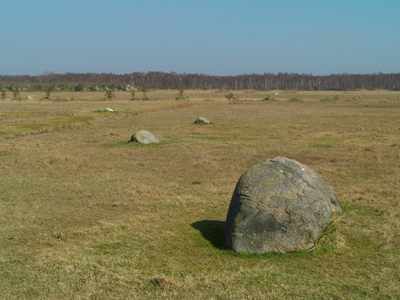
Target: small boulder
x,y
144,137
29,98
201,120
278,206
109,109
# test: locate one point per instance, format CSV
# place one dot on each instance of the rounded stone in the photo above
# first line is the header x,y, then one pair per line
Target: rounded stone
x,y
279,206
144,137
201,120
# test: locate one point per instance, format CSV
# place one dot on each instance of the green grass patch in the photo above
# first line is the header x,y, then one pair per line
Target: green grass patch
x,y
80,119
361,210
216,138
270,99
136,144
295,99
347,206
320,145
327,100
112,246
34,126
354,100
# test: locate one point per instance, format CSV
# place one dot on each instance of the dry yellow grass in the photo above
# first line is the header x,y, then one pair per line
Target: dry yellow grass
x,y
86,215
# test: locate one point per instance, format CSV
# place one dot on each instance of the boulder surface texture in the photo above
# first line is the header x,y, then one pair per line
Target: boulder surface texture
x,y
278,206
144,137
202,120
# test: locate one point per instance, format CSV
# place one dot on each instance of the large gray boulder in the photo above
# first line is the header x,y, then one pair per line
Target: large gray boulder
x,y
144,137
278,206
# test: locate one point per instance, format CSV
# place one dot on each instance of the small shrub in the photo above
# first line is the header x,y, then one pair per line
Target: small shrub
x,y
3,94
15,93
110,94
144,91
230,97
79,87
49,89
180,92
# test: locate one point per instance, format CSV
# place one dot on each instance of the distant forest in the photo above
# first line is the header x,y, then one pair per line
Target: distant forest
x,y
266,81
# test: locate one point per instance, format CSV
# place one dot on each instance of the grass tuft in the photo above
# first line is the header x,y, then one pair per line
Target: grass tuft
x,y
327,100
295,99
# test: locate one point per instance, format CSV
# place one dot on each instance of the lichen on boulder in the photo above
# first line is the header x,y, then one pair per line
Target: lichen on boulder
x,y
278,206
201,120
144,137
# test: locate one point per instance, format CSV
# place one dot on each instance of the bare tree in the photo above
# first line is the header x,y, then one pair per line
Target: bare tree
x,y
110,94
144,91
3,94
230,97
180,92
49,89
266,81
15,92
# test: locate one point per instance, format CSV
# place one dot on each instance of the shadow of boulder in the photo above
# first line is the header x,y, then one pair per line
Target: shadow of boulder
x,y
212,231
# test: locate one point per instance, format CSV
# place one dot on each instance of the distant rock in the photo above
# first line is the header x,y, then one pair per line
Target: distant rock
x,y
278,206
107,109
144,137
201,120
29,98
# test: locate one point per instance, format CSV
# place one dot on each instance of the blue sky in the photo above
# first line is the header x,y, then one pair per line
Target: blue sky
x,y
217,37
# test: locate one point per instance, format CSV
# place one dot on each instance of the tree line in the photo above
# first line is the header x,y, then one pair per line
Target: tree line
x,y
266,81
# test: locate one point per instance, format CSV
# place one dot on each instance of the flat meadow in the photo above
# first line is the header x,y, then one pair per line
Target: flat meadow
x,y
85,214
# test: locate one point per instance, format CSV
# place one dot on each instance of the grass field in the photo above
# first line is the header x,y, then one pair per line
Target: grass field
x,y
84,214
